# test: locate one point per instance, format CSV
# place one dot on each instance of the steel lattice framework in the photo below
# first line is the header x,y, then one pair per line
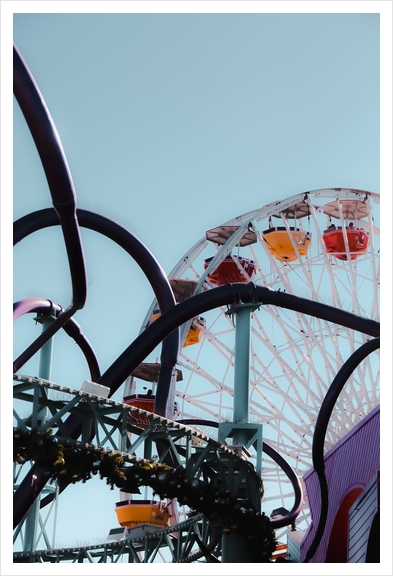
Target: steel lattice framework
x,y
294,357
187,541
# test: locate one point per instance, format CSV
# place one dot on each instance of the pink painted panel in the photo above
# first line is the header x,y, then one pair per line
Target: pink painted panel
x,y
351,463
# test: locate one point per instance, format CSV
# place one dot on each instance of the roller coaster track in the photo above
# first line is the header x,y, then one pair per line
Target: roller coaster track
x,y
87,422
192,449
179,540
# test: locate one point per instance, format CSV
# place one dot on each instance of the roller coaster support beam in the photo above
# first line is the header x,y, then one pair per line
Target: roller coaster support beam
x,y
244,434
241,397
44,371
45,366
235,547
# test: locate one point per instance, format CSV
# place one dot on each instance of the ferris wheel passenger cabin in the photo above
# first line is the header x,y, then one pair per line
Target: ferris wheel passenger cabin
x,y
183,289
149,372
233,268
287,243
194,333
131,513
142,514
348,241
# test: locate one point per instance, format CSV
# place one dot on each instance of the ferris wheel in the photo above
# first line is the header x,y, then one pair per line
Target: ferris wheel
x,y
321,245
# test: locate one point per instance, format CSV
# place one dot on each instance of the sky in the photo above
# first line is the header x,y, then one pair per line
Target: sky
x,y
173,123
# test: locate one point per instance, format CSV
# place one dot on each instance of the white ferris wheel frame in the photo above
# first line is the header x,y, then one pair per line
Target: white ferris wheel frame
x,y
293,439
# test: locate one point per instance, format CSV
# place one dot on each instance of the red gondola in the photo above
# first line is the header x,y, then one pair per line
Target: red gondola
x,y
334,241
230,271
143,402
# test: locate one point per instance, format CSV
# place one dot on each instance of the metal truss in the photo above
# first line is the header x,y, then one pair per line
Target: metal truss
x,y
186,542
202,457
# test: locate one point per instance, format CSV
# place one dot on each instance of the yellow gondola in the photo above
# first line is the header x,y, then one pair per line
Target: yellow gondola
x,y
193,334
280,242
134,512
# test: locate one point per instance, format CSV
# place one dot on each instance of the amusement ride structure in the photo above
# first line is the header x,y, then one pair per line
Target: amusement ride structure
x,y
254,324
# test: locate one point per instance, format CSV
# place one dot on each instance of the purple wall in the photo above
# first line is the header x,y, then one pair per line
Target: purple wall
x,y
351,463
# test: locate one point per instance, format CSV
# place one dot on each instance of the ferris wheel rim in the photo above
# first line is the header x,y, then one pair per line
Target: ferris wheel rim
x,y
324,330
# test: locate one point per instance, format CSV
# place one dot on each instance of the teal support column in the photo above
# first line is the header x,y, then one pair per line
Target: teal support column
x,y
241,393
44,371
235,547
46,352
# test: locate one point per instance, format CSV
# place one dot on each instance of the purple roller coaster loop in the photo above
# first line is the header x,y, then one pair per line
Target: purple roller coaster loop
x,y
71,327
63,196
221,296
23,497
64,201
320,432
35,221
61,189
143,257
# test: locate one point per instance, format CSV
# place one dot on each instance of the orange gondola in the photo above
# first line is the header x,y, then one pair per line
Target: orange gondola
x,y
193,334
134,512
281,243
334,241
230,271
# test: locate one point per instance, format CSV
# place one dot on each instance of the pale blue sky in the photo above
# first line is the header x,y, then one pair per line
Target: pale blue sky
x,y
172,124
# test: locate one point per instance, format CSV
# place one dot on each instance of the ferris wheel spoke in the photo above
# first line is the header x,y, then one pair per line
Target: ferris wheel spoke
x,y
327,261
266,381
218,344
321,284
293,346
363,278
258,269
294,358
348,287
375,271
275,422
276,273
332,363
306,273
195,368
268,384
315,342
214,410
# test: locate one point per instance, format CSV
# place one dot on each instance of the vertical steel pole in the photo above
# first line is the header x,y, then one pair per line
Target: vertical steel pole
x,y
235,547
241,392
44,371
45,367
55,515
